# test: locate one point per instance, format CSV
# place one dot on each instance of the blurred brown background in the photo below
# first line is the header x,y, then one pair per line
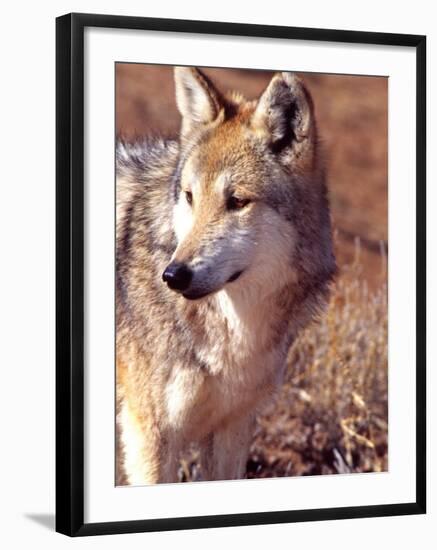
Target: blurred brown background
x,y
330,415
352,118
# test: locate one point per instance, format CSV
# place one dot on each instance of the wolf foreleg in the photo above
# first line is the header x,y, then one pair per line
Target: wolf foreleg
x,y
224,453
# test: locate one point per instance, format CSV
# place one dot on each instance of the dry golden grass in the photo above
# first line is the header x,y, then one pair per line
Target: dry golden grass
x,y
331,414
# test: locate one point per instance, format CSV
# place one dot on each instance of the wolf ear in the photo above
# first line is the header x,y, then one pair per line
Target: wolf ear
x,y
197,100
284,112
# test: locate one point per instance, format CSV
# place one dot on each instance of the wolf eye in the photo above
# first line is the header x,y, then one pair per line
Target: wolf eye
x,y
189,197
235,203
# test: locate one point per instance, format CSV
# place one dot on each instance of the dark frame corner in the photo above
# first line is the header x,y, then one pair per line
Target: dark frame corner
x,y
70,279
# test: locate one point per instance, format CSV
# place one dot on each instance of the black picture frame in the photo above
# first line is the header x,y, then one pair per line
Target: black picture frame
x,y
70,273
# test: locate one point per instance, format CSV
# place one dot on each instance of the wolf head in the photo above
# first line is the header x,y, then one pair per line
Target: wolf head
x,y
251,208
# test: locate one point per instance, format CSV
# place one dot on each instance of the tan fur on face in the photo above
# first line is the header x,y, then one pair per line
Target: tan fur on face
x,y
224,163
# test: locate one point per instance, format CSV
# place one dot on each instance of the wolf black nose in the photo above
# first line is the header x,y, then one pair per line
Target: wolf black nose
x,y
178,276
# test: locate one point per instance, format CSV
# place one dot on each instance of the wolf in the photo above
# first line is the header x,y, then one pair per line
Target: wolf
x,y
223,253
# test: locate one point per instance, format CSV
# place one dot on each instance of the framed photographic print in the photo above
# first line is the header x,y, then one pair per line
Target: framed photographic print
x,y
240,274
